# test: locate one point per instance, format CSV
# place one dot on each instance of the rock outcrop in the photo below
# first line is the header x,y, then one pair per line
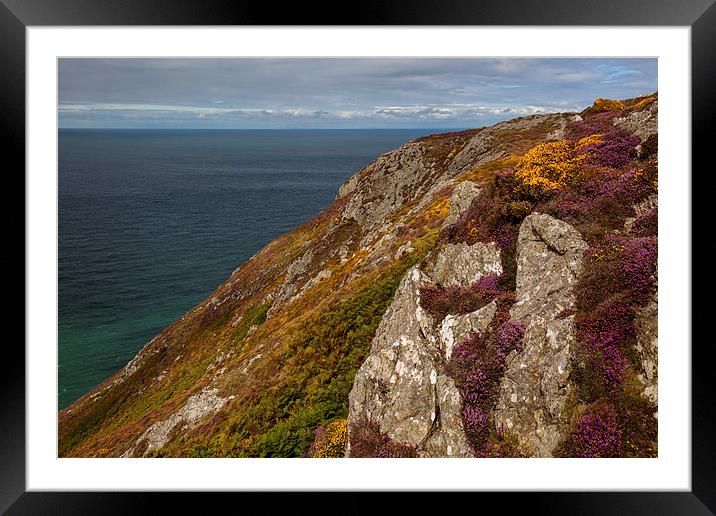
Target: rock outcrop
x,y
463,264
647,325
642,122
480,149
402,385
395,178
460,200
536,383
194,410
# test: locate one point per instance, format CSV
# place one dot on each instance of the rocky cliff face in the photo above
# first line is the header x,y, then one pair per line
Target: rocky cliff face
x,y
440,307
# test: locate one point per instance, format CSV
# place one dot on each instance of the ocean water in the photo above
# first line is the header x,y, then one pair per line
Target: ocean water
x,y
152,221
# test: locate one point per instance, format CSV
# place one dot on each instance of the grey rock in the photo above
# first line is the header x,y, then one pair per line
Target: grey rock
x,y
289,288
463,264
647,204
485,146
647,325
536,384
643,122
401,385
549,256
461,198
383,187
324,274
454,328
196,408
482,148
448,438
404,249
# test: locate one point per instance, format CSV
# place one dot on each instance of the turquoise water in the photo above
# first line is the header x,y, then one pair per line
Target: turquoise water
x,y
151,222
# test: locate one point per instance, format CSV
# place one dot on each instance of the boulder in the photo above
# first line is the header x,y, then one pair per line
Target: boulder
x,y
460,200
647,325
401,385
454,328
536,384
463,264
197,408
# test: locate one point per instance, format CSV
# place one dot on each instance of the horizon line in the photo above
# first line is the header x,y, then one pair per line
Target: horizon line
x,y
264,128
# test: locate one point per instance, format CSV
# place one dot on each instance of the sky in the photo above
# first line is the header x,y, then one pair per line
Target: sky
x,y
336,93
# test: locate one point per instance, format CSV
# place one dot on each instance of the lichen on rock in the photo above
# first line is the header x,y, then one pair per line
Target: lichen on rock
x,y
402,387
196,408
463,264
536,384
460,200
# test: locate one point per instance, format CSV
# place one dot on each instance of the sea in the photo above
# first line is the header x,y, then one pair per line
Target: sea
x,y
152,221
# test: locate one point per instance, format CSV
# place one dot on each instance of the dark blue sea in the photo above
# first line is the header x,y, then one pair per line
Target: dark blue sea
x,y
152,221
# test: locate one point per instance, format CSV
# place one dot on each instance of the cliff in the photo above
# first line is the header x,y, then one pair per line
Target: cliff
x,y
490,292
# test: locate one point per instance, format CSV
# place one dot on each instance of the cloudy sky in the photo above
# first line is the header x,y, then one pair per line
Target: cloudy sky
x,y
336,93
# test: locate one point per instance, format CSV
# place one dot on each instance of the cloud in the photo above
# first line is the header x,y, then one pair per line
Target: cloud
x,y
457,112
336,92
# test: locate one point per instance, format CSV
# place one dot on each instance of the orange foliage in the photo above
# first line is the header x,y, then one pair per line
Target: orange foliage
x,y
607,105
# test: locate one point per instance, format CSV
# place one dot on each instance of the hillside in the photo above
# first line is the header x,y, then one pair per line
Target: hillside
x,y
490,292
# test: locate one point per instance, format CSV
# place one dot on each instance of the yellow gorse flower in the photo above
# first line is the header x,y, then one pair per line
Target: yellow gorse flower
x,y
607,105
553,165
607,251
334,441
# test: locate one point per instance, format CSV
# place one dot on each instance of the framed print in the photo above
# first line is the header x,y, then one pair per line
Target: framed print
x,y
403,252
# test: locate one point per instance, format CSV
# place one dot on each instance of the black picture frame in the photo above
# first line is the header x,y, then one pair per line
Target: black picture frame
x,y
700,15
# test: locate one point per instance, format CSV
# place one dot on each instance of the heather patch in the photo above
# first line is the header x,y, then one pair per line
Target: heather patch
x,y
488,219
603,336
646,224
476,365
619,277
603,203
597,434
366,440
589,125
615,150
454,299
